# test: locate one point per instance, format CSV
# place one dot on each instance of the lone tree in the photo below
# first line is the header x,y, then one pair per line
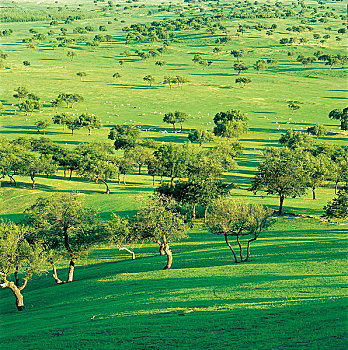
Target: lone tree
x,y
161,223
16,255
240,220
243,82
341,115
240,67
71,54
181,117
170,118
89,121
338,207
282,173
65,227
116,75
21,93
149,78
42,125
81,75
294,105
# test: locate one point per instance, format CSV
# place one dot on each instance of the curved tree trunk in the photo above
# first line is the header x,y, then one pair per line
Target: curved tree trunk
x,y
194,211
55,275
336,185
12,179
153,180
16,291
33,180
107,187
70,175
313,191
16,276
248,248
129,251
161,249
229,245
169,257
281,200
205,213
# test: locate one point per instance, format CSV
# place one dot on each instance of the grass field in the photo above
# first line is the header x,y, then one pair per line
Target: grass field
x,y
292,295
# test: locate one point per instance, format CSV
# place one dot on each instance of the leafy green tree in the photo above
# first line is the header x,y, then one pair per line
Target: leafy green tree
x,y
293,105
260,65
125,136
61,119
73,124
181,117
317,130
237,54
16,254
282,173
240,220
337,208
126,166
139,154
150,79
71,54
296,139
160,63
318,168
116,75
243,81
201,136
170,118
161,223
21,93
97,162
89,121
65,227
70,99
240,67
26,63
42,125
81,75
29,105
341,115
169,80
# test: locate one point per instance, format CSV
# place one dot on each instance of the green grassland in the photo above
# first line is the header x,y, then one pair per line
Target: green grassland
x,y
293,292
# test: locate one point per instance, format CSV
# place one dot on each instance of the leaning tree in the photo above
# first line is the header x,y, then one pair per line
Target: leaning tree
x,y
65,227
17,255
161,223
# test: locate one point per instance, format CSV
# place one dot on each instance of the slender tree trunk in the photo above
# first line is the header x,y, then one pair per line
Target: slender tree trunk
x,y
153,180
33,180
336,185
172,181
313,192
107,187
139,169
205,213
129,251
169,257
229,245
161,182
240,249
124,179
281,204
89,132
194,211
161,249
118,178
55,275
248,248
70,175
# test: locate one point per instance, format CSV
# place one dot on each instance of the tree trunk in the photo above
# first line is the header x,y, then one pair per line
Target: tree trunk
x,y
248,248
107,187
139,169
16,292
70,175
124,179
89,132
336,185
33,180
313,192
172,181
229,245
16,276
129,251
169,257
118,178
71,270
153,180
194,211
281,204
55,275
205,213
240,249
12,179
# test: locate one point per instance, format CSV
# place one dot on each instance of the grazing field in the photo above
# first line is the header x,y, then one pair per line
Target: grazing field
x,y
292,292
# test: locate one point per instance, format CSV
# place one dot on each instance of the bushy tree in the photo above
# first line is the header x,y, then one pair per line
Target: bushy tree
x,y
125,136
240,220
337,208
